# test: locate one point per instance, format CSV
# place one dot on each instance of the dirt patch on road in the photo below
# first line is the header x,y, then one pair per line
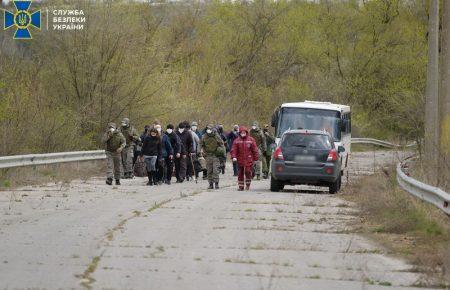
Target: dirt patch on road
x,y
41,174
403,224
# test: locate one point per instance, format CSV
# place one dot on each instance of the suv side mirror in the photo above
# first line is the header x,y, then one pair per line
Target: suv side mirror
x,y
341,149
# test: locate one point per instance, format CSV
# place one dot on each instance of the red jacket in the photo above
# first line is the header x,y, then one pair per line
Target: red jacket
x,y
245,149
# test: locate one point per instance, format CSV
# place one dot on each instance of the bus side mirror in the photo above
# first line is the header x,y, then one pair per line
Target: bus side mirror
x,y
341,149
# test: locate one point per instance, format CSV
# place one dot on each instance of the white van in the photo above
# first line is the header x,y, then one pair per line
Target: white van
x,y
310,115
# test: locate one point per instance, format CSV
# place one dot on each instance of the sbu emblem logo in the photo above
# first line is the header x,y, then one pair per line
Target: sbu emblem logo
x,y
22,19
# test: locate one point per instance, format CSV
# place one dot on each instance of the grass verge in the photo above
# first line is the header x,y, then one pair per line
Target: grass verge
x,y
404,224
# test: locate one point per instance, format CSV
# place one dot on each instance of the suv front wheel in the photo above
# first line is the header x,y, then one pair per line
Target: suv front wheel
x,y
275,185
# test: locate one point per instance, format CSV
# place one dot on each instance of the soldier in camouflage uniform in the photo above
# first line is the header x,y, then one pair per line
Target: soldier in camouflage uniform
x,y
270,142
114,144
212,148
132,138
260,139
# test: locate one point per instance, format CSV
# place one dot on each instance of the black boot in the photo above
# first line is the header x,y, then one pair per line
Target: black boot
x,y
150,178
155,178
211,185
217,185
109,181
117,181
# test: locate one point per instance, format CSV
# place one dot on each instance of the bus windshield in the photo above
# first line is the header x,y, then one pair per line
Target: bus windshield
x,y
311,119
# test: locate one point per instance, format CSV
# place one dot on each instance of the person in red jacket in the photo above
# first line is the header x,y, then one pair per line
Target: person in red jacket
x,y
245,152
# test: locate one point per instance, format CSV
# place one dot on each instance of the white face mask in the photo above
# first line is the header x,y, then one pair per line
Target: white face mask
x,y
208,131
111,129
158,129
169,131
194,128
243,135
181,130
254,127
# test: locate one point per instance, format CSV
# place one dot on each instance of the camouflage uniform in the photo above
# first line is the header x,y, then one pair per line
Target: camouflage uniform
x,y
260,139
131,137
210,143
270,141
114,142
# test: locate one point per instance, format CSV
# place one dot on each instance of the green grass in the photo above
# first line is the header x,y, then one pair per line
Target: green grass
x,y
385,283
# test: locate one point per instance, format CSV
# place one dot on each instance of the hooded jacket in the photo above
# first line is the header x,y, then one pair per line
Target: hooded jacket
x,y
245,149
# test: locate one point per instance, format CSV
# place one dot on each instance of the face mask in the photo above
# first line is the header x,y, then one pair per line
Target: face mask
x,y
194,128
158,129
111,129
208,131
243,135
169,131
181,130
254,127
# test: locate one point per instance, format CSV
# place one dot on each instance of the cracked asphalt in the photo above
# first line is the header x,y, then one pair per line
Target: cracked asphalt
x,y
90,235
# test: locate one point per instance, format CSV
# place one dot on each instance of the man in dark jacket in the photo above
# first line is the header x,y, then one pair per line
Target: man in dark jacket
x,y
138,147
166,156
186,149
151,152
175,142
230,139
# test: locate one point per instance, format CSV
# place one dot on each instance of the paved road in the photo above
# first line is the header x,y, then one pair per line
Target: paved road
x,y
89,235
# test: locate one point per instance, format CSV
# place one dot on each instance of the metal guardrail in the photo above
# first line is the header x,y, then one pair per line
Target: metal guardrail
x,y
50,158
379,143
428,193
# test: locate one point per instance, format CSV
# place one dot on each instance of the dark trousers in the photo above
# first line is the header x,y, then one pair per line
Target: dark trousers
x,y
161,169
169,168
180,168
244,173
189,169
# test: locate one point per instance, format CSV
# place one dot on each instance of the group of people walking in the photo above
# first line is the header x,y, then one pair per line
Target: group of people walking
x,y
185,151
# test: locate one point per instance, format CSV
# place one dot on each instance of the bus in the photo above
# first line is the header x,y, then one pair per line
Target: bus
x,y
311,115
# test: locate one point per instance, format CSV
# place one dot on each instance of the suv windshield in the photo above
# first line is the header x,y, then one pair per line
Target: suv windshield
x,y
309,141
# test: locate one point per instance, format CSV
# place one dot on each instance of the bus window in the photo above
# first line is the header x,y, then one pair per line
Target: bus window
x,y
312,119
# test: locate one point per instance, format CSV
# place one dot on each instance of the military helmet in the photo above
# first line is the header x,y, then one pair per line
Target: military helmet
x,y
255,123
112,125
194,124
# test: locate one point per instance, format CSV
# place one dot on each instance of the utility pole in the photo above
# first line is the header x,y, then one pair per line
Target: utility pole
x,y
444,95
431,144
